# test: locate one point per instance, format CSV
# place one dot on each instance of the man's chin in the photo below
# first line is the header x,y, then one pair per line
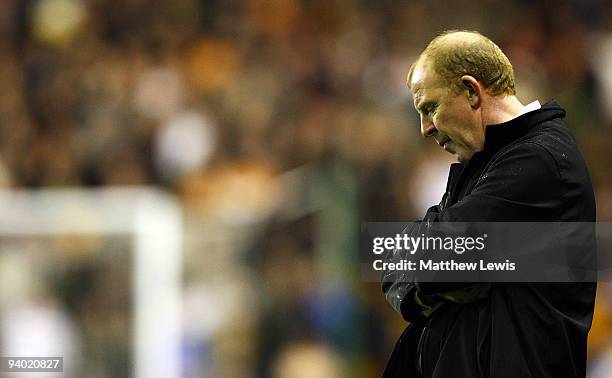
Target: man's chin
x,y
459,155
453,153
462,158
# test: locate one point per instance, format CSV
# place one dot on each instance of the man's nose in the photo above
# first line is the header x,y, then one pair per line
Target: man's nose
x,y
427,128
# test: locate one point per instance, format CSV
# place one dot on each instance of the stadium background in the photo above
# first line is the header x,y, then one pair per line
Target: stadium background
x,y
279,125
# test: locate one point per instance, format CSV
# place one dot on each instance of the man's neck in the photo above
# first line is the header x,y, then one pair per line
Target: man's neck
x,y
501,109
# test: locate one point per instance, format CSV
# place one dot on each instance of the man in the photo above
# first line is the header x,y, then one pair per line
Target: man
x,y
515,163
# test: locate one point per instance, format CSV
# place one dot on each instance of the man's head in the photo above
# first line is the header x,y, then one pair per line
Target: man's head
x,y
462,82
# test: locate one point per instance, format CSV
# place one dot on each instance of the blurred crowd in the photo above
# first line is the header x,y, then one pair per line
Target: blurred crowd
x,y
279,125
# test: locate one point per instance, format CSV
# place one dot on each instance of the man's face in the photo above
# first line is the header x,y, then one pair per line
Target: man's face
x,y
446,116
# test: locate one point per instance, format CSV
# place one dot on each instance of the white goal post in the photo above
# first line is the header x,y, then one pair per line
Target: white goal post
x,y
153,219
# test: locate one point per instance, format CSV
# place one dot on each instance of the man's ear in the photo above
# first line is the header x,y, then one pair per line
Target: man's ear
x,y
473,89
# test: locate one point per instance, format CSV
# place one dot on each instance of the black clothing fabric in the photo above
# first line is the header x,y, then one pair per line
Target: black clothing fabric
x,y
529,170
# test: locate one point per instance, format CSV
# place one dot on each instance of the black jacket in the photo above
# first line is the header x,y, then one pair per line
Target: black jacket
x,y
529,170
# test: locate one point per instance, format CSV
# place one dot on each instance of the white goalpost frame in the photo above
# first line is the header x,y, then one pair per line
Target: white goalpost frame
x,y
153,219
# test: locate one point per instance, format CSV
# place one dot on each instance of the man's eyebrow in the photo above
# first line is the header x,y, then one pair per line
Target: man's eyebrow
x,y
417,95
419,103
421,107
418,106
425,106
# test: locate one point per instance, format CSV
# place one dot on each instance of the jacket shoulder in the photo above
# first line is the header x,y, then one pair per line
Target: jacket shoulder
x,y
553,150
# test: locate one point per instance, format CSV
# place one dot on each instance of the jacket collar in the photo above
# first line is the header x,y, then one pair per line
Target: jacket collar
x,y
500,135
497,137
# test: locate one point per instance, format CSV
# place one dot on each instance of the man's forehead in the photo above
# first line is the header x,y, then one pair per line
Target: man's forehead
x,y
418,80
418,75
424,79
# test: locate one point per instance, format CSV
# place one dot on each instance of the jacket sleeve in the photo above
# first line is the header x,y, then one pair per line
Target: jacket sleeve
x,y
400,288
522,183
